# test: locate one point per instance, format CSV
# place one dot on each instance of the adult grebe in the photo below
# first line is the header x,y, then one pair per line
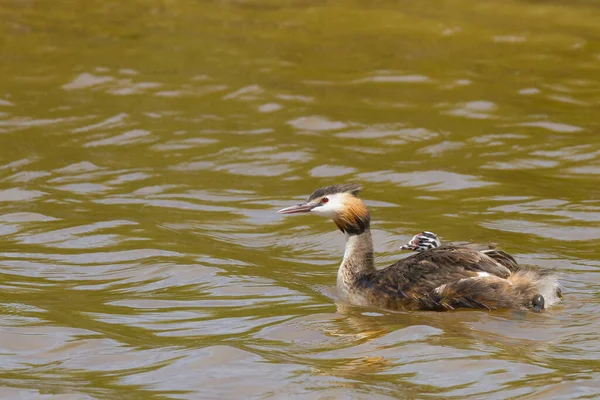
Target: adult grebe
x,y
439,278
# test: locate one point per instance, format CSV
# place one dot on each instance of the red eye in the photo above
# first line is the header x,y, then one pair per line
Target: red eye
x,y
324,200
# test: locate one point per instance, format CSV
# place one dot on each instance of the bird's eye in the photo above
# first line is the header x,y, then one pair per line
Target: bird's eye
x,y
324,200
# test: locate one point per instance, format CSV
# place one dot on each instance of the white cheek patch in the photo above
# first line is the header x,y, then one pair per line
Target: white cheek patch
x,y
334,206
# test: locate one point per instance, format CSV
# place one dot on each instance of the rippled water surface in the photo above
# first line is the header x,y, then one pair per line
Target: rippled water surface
x,y
146,145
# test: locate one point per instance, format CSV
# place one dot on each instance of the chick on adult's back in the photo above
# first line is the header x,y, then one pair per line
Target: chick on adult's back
x,y
441,278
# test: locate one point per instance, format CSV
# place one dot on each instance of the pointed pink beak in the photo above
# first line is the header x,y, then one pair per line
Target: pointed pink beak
x,y
413,244
300,208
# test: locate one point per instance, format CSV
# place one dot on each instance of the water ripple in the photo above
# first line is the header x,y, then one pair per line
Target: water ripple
x,y
142,169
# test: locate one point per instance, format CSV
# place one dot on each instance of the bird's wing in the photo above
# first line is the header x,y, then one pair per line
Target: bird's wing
x,y
489,249
428,270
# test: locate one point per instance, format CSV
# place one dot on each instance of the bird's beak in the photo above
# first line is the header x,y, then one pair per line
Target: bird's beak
x,y
413,244
300,208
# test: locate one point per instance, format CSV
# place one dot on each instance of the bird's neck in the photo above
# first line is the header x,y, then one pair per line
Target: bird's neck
x,y
358,260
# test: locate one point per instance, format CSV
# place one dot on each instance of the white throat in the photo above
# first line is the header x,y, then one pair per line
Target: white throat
x,y
350,245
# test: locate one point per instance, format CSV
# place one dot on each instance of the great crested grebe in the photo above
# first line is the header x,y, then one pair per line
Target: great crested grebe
x,y
437,278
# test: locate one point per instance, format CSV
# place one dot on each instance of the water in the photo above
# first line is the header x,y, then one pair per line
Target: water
x,y
146,145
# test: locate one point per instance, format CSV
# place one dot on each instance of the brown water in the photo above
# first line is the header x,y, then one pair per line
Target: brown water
x,y
145,146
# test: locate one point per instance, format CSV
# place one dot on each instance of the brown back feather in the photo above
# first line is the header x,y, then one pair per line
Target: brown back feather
x,y
411,282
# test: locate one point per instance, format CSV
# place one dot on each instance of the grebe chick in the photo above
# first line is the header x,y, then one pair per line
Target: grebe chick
x,y
422,241
442,278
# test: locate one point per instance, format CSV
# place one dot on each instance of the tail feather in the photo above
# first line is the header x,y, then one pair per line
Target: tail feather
x,y
520,290
545,282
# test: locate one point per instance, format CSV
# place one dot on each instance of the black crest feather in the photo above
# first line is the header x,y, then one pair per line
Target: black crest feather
x,y
352,188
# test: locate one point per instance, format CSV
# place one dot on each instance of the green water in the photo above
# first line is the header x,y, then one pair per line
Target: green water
x,y
146,145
